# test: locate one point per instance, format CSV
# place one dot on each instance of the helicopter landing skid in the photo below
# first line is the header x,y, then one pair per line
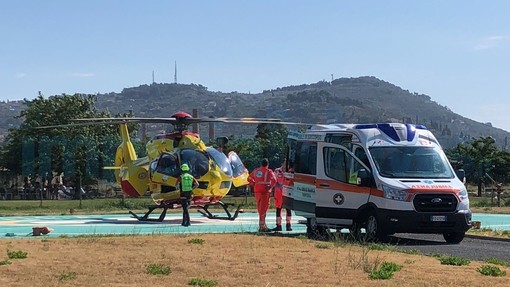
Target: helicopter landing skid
x,y
204,210
145,217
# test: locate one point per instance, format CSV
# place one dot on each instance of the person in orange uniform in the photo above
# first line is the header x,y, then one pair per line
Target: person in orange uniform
x,y
278,201
263,180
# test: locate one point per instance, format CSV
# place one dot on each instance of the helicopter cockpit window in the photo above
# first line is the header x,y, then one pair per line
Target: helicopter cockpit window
x,y
197,161
167,164
236,163
221,160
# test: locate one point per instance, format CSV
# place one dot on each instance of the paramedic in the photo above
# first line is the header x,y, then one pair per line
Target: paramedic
x,y
186,183
278,200
262,179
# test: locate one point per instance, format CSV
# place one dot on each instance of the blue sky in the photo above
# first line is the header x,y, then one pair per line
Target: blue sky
x,y
457,52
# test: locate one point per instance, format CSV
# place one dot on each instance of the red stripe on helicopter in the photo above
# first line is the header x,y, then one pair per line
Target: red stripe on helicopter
x,y
128,189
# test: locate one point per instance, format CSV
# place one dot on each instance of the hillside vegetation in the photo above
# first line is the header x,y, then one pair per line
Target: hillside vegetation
x,y
347,100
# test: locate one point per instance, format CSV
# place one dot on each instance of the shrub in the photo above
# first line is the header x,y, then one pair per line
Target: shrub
x,y
202,282
158,269
496,261
66,276
5,262
393,267
453,260
385,271
17,254
489,270
196,241
381,274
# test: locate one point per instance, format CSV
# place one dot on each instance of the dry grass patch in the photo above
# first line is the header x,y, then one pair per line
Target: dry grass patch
x,y
223,260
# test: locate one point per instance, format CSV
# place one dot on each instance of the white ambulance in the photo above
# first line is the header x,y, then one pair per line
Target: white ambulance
x,y
376,180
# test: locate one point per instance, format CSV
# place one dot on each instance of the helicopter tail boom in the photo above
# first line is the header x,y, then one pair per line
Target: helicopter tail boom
x,y
131,174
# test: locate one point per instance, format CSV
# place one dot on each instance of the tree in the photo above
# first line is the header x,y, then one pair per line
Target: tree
x,y
482,157
270,142
273,140
78,151
249,150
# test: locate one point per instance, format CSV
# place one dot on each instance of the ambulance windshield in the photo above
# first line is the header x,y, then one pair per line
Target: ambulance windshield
x,y
411,162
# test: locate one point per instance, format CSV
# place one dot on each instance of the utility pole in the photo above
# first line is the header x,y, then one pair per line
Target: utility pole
x,y
153,76
175,72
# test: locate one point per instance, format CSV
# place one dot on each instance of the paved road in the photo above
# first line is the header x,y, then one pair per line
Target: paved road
x,y
474,248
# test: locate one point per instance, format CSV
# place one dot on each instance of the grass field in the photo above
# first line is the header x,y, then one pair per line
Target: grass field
x,y
92,206
229,260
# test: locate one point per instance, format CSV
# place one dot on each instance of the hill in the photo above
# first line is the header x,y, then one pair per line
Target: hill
x,y
347,100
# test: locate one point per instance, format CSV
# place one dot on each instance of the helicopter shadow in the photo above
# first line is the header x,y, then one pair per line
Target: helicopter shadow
x,y
132,220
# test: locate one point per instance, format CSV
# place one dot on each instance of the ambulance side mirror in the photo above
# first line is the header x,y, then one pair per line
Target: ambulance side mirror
x,y
461,174
364,178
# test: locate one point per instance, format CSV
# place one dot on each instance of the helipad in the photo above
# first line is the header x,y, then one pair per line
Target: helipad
x,y
76,225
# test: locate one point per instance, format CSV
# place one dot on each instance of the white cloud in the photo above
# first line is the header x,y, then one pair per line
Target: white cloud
x,y
82,75
489,42
20,75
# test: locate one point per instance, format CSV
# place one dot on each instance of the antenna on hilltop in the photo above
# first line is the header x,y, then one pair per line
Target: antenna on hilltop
x,y
153,76
175,73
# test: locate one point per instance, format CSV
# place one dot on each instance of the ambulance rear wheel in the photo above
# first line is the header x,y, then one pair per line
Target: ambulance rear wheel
x,y
316,232
454,237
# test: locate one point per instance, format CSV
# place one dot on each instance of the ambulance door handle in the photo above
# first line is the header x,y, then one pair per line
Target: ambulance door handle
x,y
324,185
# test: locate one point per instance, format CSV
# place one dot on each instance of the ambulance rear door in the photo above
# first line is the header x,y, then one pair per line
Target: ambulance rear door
x,y
338,192
302,163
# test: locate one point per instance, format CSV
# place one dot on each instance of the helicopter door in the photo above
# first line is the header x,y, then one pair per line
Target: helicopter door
x,y
338,193
165,170
239,171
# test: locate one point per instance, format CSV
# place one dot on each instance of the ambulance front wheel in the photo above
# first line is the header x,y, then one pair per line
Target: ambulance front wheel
x,y
454,237
370,223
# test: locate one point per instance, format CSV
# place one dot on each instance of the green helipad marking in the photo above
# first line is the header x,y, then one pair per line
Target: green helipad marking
x,y
75,225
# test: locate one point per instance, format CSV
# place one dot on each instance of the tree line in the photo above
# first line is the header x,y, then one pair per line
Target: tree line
x,y
81,152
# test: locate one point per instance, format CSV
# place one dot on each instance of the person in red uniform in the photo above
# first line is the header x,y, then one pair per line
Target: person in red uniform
x,y
262,179
278,201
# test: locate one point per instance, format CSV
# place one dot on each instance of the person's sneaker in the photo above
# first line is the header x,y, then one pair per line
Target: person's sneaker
x,y
264,229
277,228
288,227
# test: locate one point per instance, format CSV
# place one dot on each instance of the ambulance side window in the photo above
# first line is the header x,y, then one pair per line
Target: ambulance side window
x,y
341,166
305,158
360,153
335,164
340,139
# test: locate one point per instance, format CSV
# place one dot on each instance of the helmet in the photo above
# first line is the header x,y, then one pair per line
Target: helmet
x,y
184,167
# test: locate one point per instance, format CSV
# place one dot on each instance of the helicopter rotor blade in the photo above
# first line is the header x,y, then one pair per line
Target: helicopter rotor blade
x,y
262,121
172,121
151,120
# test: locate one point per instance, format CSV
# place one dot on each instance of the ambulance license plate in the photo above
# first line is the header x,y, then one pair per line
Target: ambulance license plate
x,y
438,218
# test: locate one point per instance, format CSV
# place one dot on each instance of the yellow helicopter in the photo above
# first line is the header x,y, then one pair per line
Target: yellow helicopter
x,y
157,173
